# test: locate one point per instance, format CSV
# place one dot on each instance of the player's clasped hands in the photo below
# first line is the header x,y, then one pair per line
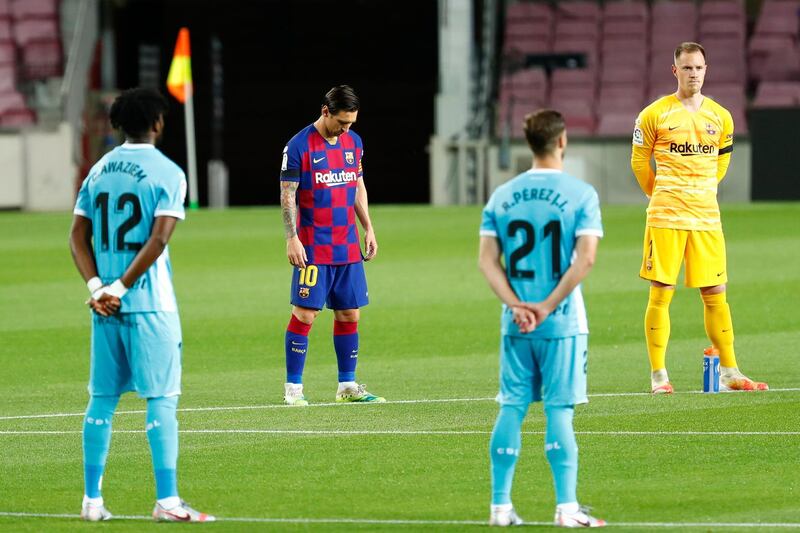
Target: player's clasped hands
x,y
105,304
527,315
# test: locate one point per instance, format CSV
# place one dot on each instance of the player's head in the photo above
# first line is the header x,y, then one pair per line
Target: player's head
x,y
339,109
546,133
689,67
139,114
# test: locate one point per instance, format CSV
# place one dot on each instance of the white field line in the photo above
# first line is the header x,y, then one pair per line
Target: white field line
x,y
401,432
332,404
405,522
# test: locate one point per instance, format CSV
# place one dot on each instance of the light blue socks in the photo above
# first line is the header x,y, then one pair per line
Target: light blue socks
x,y
96,440
562,452
162,433
504,448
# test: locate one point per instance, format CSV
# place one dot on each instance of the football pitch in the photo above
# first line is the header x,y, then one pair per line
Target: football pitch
x,y
429,342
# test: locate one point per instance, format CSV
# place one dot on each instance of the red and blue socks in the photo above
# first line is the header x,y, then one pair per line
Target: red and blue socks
x,y
296,349
345,342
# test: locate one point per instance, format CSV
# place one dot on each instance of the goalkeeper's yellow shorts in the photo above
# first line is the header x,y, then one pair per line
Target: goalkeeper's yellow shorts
x,y
703,252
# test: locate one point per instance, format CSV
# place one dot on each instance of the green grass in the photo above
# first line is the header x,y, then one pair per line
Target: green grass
x,y
431,332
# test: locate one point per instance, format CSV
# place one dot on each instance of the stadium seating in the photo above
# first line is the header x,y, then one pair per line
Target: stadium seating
x,y
528,28
28,30
629,46
615,123
21,9
634,13
8,78
30,49
521,93
5,30
775,39
41,59
777,94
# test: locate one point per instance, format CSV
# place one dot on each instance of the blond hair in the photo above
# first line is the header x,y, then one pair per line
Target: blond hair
x,y
689,47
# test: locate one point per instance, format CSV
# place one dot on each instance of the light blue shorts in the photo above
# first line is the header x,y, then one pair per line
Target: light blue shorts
x,y
553,370
136,352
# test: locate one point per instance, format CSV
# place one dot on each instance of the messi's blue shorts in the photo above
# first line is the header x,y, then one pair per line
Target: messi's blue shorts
x,y
136,352
533,370
336,286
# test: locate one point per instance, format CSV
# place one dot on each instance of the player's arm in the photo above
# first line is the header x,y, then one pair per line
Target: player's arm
x,y
362,212
294,248
163,226
80,244
492,269
291,168
585,252
642,151
725,147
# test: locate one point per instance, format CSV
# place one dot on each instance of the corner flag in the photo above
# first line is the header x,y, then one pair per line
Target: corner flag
x,y
179,85
179,80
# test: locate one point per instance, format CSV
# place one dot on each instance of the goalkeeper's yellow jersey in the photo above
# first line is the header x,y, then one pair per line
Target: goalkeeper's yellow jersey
x,y
692,151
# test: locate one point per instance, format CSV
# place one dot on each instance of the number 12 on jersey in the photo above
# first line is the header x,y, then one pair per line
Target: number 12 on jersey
x,y
552,229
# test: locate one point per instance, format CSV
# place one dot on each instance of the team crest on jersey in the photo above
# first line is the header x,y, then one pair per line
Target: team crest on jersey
x,y
710,129
349,157
649,265
304,292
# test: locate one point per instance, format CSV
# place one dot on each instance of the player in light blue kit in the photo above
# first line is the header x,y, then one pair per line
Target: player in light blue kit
x,y
545,225
126,211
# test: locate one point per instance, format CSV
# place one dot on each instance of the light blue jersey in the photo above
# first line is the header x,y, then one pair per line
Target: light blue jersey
x,y
122,195
537,218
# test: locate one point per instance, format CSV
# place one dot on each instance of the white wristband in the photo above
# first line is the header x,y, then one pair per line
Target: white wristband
x,y
116,289
94,284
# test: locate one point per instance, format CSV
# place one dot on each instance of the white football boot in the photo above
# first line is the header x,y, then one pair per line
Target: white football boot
x,y
580,518
293,394
180,513
350,391
659,382
504,516
92,512
731,378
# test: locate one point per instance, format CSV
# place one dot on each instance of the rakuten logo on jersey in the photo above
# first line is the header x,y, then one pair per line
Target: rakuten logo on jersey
x,y
335,178
691,149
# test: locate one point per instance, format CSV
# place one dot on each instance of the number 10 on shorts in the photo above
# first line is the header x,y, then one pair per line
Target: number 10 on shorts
x,y
308,276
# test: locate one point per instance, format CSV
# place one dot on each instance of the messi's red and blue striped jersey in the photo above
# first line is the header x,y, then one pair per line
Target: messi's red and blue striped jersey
x,y
328,175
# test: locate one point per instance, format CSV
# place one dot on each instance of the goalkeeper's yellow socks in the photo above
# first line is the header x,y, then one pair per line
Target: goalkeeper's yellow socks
x,y
719,326
656,326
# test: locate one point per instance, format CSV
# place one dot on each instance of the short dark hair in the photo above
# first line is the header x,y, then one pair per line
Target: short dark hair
x,y
341,98
542,130
689,47
136,111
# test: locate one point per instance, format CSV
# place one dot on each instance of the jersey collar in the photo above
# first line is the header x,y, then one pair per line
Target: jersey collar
x,y
137,146
545,170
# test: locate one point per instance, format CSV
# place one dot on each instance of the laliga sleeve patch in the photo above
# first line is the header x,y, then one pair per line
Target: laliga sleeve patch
x,y
638,136
285,161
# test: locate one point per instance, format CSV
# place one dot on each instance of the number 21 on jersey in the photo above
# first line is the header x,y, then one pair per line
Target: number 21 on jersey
x,y
552,229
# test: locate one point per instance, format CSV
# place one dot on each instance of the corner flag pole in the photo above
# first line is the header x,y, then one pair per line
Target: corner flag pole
x,y
191,154
179,85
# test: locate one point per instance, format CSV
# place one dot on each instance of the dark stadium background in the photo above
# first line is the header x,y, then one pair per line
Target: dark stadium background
x,y
279,58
